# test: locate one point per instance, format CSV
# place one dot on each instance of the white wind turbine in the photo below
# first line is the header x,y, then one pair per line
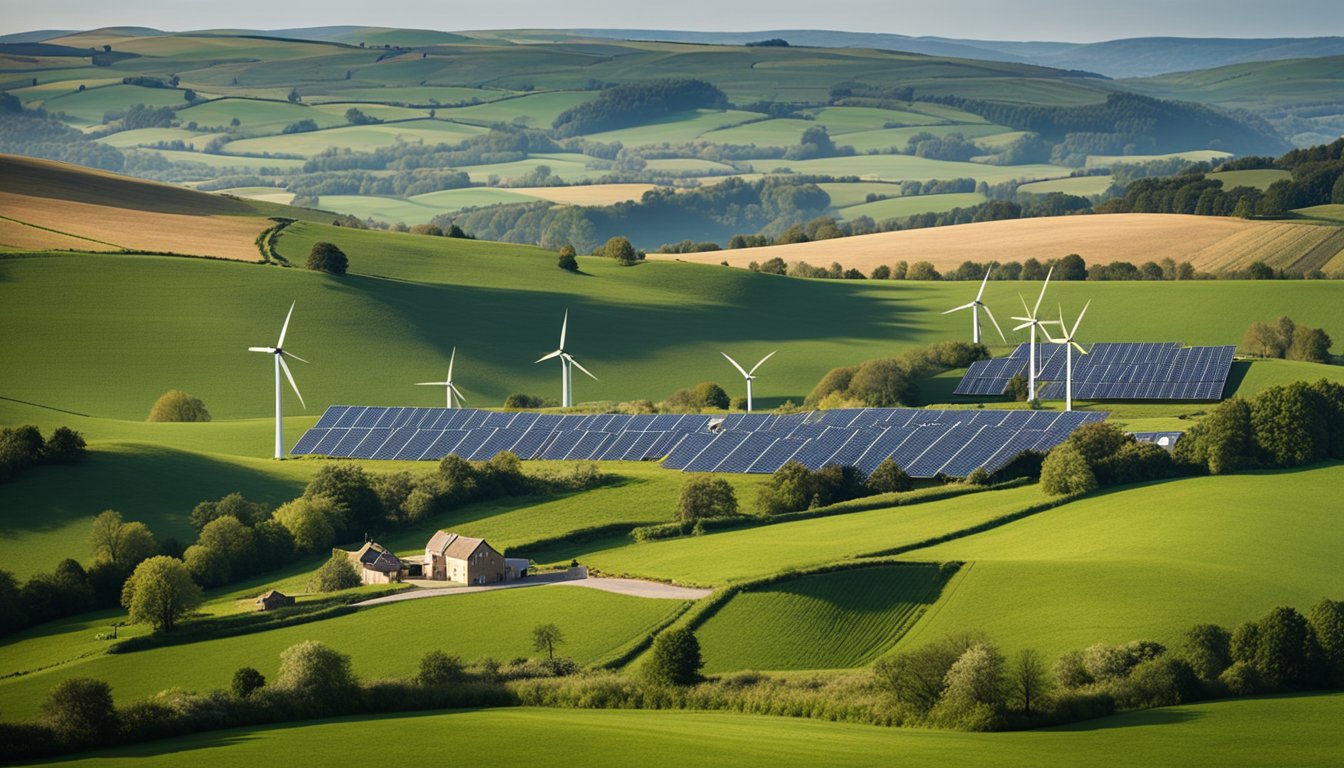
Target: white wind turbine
x,y
453,392
280,353
975,307
1033,322
567,366
1069,345
750,376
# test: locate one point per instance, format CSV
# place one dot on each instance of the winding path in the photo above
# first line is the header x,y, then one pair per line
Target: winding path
x,y
575,577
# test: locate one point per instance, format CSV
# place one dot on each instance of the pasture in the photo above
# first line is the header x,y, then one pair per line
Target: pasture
x,y
902,207
910,167
1082,186
1146,562
356,137
825,621
1240,731
475,625
1210,243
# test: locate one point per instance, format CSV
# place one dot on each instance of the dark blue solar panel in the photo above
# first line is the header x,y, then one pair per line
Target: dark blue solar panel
x,y
530,444
716,451
348,442
642,448
616,449
774,457
331,416
561,445
687,448
327,445
977,451
819,450
746,453
394,443
417,445
444,444
939,452
348,418
589,444
308,441
502,440
370,444
882,448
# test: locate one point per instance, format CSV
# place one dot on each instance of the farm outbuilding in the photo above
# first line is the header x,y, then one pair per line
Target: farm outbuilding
x,y
376,565
272,600
450,557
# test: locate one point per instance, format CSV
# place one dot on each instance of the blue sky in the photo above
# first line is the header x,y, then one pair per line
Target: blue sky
x,y
1074,20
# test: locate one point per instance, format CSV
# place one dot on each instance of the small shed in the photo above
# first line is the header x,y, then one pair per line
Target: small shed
x,y
272,600
516,567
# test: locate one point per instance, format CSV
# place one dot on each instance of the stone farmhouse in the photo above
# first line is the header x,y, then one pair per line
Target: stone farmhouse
x,y
450,557
376,565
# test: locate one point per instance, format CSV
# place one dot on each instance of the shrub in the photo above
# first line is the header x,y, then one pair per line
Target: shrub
x,y
327,257
620,249
80,712
889,478
675,659
124,545
706,497
1158,682
917,678
1066,471
883,383
65,446
439,669
336,574
568,260
1240,679
246,681
1208,648
159,592
317,677
176,405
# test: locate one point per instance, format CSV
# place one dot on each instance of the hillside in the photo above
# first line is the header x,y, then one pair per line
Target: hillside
x,y
1210,243
54,206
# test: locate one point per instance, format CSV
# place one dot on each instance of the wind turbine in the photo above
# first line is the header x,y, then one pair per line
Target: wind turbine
x,y
448,384
1068,341
750,376
280,353
567,366
1033,322
975,307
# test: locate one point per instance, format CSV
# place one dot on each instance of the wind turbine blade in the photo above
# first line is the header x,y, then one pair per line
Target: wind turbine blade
x,y
1044,285
285,328
1079,321
556,353
1048,337
763,359
1027,324
290,376
1025,308
958,309
451,358
287,353
575,363
430,383
564,326
457,392
735,365
983,283
271,350
1078,347
995,322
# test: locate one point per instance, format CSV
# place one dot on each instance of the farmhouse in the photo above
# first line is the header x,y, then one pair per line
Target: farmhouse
x,y
376,565
272,600
450,557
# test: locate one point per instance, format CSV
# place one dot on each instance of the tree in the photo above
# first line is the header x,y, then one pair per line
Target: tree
x,y
620,249
351,491
1288,425
1310,345
176,405
1098,440
889,478
973,689
159,592
675,659
883,383
1222,442
1208,648
311,522
317,676
1071,267
65,446
327,257
13,615
1259,270
568,260
918,677
246,681
710,395
233,505
80,712
705,496
120,543
1066,471
438,669
545,637
293,95
208,567
791,488
234,541
1286,650
1327,623
1028,680
922,270
336,574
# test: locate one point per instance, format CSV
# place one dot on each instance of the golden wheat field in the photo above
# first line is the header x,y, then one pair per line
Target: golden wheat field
x,y
1210,243
587,194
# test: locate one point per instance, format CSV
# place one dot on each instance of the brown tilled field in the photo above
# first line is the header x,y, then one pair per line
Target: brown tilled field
x,y
1210,243
587,194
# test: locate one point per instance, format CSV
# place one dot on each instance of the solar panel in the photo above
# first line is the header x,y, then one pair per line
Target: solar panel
x,y
716,451
331,416
687,448
309,440
417,445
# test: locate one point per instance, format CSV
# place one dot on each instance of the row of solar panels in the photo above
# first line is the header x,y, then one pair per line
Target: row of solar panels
x,y
923,442
1111,371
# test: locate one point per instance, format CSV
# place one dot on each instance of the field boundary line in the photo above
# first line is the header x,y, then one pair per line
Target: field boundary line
x,y
66,234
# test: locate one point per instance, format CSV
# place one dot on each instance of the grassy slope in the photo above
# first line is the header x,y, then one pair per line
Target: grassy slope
x,y
1147,562
839,619
1251,732
383,641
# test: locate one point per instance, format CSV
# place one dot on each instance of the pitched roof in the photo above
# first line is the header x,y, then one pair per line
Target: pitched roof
x,y
375,556
454,546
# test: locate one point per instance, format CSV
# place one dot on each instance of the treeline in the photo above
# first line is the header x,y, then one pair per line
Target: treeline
x,y
636,103
1317,179
1287,340
24,447
890,382
37,134
1070,267
1131,123
661,215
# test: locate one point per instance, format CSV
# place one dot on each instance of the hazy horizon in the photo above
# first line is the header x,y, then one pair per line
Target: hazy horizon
x,y
1045,20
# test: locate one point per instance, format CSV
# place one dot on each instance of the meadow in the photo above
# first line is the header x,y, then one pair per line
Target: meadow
x,y
831,620
1246,731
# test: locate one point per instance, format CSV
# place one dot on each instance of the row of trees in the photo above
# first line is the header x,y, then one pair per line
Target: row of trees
x,y
1286,339
635,103
24,447
794,487
891,381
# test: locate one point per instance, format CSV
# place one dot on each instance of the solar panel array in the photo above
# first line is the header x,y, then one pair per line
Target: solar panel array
x,y
1164,439
1112,371
925,443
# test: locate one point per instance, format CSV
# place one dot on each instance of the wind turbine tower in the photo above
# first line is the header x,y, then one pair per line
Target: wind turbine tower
x,y
280,353
1068,340
750,376
975,307
1033,321
454,395
567,366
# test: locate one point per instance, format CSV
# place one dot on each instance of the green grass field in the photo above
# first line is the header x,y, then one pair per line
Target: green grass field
x,y
536,110
1146,562
382,641
257,117
1076,185
831,620
357,137
1251,732
87,107
1194,156
680,128
908,167
1260,179
901,207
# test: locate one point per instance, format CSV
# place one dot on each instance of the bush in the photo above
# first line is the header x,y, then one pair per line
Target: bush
x,y
1222,442
311,522
568,260
1066,471
1159,682
80,712
706,497
317,677
1288,425
439,669
122,544
176,405
889,478
233,505
336,574
326,257
1240,679
917,678
1327,622
675,659
65,446
246,681
1208,648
